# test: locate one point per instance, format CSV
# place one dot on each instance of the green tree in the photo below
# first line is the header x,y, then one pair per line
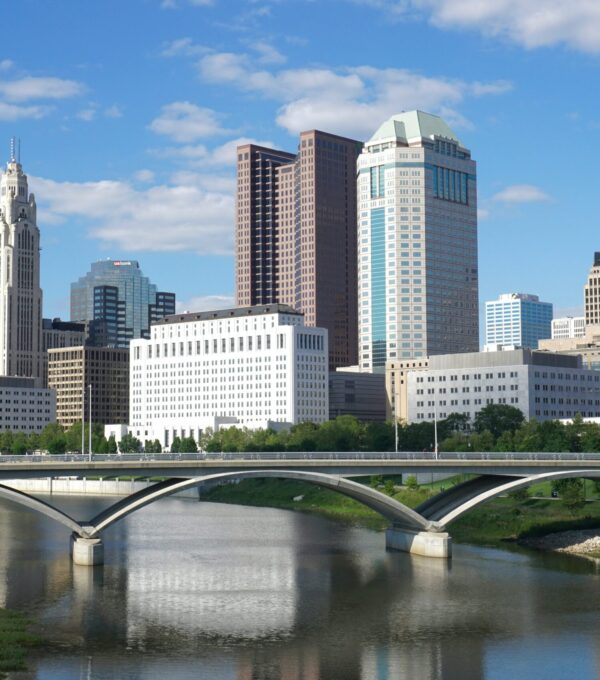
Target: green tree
x,y
19,444
498,418
129,444
411,482
6,439
571,492
188,445
53,439
111,444
175,445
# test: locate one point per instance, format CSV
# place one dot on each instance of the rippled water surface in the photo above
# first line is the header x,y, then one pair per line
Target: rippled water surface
x,y
201,590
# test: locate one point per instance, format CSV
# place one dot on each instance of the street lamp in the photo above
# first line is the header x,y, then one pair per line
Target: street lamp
x,y
90,419
83,420
435,432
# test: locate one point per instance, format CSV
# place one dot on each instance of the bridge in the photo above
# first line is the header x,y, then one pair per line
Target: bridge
x,y
422,530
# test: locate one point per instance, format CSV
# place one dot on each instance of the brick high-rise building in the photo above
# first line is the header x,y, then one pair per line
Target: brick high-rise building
x,y
296,234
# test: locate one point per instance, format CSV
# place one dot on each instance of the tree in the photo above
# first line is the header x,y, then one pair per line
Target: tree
x,y
498,418
453,424
571,491
19,444
53,439
129,444
111,444
188,445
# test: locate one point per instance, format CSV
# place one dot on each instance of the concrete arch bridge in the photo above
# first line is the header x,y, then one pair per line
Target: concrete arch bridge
x,y
422,530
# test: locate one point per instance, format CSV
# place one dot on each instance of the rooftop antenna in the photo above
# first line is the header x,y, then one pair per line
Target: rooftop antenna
x,y
12,150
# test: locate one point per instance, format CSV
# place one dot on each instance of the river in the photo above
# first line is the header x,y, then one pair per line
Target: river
x,y
203,590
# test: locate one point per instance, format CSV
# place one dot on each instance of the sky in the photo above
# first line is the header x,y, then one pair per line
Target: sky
x,y
129,114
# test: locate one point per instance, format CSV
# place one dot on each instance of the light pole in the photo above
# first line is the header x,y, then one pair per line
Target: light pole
x,y
83,419
395,421
435,434
90,418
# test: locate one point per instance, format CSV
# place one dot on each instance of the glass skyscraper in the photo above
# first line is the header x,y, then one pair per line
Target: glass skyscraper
x,y
417,243
517,319
118,302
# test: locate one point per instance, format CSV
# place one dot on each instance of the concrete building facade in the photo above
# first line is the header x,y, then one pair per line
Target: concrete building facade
x,y
21,351
568,327
118,303
25,406
57,334
357,394
543,386
417,242
250,367
296,234
518,319
396,392
70,372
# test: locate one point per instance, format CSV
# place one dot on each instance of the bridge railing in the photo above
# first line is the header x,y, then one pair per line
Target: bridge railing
x,y
298,456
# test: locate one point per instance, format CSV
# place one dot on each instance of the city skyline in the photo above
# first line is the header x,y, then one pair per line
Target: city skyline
x,y
147,172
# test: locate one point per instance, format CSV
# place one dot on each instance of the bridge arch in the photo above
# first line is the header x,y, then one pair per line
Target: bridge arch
x,y
391,509
40,506
457,507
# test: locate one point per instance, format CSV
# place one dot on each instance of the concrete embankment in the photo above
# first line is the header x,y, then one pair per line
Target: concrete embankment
x,y
80,487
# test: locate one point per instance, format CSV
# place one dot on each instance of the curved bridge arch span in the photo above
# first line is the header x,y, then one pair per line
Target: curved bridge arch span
x,y
456,508
390,508
40,506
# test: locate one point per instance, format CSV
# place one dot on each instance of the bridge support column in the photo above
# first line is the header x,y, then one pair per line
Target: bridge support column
x,y
87,551
426,543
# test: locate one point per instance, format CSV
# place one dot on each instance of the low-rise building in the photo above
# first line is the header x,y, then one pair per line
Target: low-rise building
x,y
568,327
71,370
396,396
542,385
587,347
251,366
356,393
57,334
24,406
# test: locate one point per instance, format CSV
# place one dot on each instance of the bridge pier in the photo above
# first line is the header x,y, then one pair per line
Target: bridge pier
x,y
426,543
87,552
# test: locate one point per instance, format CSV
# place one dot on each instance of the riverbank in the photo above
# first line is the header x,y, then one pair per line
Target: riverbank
x,y
493,524
15,641
574,542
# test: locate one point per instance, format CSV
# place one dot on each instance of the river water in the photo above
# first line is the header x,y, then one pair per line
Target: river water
x,y
203,590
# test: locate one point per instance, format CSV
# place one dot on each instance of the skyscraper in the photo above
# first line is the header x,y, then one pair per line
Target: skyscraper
x,y
119,303
417,238
296,234
20,293
517,319
591,294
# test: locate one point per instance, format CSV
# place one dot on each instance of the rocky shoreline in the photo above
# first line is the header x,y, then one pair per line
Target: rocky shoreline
x,y
575,542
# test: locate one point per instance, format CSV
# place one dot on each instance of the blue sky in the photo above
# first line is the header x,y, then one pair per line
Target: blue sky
x,y
129,114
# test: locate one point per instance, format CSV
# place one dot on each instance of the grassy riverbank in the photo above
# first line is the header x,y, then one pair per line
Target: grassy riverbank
x,y
500,520
15,641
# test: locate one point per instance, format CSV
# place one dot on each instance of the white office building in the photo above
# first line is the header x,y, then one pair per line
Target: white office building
x,y
24,406
250,367
542,385
417,242
517,319
20,293
568,327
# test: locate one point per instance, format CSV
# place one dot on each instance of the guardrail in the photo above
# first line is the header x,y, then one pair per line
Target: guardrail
x,y
296,456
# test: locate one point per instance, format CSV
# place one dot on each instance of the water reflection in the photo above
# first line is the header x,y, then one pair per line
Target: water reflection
x,y
203,590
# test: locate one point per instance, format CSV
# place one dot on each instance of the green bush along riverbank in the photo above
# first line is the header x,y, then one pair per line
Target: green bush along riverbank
x,y
15,641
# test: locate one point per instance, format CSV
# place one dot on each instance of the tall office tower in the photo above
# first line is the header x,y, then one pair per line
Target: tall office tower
x,y
517,319
417,243
591,293
20,293
119,303
296,234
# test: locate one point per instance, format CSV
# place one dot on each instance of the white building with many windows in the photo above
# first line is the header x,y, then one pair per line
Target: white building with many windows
x,y
568,327
24,406
542,385
250,367
417,242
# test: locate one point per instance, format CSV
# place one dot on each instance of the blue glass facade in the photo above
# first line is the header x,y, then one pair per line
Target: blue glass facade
x,y
518,321
119,302
378,316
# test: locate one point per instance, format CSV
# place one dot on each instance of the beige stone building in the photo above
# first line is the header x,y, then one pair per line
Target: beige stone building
x,y
70,372
296,234
587,346
396,396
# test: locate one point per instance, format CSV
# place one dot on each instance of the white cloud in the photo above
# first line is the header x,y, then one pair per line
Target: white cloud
x,y
267,54
347,100
165,218
199,154
172,4
183,47
205,303
6,64
113,111
87,115
12,112
144,175
28,88
529,23
186,122
521,193
482,214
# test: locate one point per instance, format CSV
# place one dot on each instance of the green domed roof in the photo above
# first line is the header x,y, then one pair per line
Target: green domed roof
x,y
413,125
